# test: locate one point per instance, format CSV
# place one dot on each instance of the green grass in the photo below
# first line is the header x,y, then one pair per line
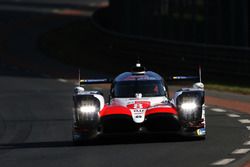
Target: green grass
x,y
228,88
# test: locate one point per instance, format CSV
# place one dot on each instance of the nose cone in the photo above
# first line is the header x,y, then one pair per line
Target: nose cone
x,y
138,115
138,110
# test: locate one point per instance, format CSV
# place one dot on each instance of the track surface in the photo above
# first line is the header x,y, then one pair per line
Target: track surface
x,y
36,129
36,118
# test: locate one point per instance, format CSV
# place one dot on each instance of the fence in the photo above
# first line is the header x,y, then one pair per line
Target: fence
x,y
220,63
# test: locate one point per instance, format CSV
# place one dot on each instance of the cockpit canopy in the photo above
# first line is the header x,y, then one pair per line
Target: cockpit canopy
x,y
148,84
126,89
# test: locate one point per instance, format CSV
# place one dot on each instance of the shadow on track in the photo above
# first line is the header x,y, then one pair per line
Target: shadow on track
x,y
52,144
102,141
143,139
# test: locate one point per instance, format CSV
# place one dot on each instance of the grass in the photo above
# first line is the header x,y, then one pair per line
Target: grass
x,y
228,88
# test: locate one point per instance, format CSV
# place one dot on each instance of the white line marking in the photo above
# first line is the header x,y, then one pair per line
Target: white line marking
x,y
223,161
233,115
248,127
244,121
241,151
62,80
247,143
218,110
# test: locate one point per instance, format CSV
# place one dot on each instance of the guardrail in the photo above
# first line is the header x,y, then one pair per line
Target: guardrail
x,y
220,63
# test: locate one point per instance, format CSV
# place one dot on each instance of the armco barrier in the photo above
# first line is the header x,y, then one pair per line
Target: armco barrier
x,y
220,63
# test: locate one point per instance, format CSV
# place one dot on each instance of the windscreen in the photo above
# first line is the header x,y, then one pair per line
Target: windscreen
x,y
147,88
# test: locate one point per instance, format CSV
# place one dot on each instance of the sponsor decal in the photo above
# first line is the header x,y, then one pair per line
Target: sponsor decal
x,y
138,110
138,115
139,105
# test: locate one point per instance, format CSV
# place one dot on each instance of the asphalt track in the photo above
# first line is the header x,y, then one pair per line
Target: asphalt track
x,y
36,129
36,121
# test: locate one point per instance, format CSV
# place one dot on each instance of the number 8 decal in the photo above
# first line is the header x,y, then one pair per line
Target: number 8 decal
x,y
138,106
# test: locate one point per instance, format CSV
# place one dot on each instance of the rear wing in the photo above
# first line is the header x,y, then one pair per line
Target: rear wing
x,y
92,81
95,81
174,78
185,78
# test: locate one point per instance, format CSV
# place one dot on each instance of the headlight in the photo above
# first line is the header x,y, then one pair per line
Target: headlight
x,y
87,109
189,106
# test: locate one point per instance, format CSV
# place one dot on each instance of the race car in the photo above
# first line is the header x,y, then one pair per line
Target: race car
x,y
139,102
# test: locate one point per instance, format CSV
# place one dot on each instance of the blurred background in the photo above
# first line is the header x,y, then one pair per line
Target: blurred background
x,y
172,37
187,33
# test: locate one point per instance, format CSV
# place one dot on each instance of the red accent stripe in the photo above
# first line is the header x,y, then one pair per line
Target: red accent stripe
x,y
115,110
161,110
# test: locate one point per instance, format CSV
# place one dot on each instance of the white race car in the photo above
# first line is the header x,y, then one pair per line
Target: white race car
x,y
138,103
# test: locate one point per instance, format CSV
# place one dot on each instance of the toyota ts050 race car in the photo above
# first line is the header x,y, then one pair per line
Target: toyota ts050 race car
x,y
138,103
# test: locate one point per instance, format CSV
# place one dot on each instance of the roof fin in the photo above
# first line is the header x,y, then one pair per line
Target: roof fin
x,y
138,68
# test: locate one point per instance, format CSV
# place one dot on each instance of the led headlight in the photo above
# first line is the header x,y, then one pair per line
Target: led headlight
x,y
189,106
87,109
